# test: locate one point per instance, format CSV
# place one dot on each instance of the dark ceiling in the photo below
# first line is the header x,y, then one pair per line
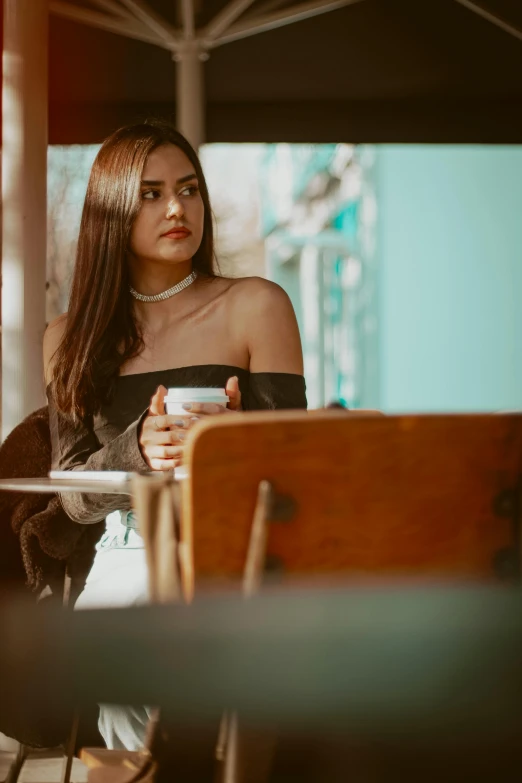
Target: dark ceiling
x,y
376,71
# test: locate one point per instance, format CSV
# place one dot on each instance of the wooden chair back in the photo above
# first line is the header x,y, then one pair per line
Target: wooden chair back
x,y
430,495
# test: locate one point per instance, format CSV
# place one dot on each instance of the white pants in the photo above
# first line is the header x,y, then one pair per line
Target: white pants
x,y
118,577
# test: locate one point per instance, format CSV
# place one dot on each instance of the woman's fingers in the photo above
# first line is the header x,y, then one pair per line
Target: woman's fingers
x,y
205,408
157,403
165,437
165,464
234,395
162,451
169,422
161,422
185,422
159,440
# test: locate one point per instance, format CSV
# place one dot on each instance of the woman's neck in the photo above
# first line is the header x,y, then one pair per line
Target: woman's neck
x,y
150,278
155,317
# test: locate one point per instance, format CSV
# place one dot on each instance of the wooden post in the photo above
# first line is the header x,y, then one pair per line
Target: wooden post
x,y
24,213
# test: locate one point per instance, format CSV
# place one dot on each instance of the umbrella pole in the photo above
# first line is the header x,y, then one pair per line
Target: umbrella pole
x,y
190,92
189,56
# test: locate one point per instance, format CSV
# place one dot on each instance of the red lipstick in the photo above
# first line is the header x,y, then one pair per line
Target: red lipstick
x,y
177,233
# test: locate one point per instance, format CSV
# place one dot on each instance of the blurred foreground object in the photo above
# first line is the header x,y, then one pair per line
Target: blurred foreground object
x,y
386,678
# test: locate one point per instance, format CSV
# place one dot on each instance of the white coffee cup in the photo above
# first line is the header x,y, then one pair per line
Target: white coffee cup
x,y
176,397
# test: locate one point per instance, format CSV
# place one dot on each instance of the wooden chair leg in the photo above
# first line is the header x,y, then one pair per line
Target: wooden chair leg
x,y
157,507
67,589
16,767
235,751
231,759
70,748
248,753
221,745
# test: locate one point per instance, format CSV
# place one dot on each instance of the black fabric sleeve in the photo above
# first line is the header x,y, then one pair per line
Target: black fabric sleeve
x,y
275,391
75,447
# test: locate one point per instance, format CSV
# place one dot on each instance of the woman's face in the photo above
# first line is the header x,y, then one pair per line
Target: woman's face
x,y
169,225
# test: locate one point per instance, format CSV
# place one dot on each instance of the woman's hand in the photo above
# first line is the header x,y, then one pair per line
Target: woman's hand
x,y
159,443
161,438
213,409
196,410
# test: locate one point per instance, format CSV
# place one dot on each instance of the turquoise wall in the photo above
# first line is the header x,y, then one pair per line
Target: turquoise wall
x,y
450,282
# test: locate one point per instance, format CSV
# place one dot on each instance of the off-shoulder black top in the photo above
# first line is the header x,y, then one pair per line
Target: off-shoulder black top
x,y
110,442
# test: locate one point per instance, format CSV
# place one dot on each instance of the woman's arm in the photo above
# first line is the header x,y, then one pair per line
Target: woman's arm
x,y
270,327
271,334
75,447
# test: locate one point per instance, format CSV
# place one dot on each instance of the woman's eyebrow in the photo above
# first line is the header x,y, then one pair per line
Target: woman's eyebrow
x,y
157,182
186,179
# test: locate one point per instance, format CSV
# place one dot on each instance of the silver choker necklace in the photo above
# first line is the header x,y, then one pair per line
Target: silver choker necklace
x,y
165,294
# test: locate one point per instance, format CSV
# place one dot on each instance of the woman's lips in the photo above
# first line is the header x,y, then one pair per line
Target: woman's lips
x,y
177,233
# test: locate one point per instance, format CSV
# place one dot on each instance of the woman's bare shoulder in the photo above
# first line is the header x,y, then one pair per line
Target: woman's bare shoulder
x,y
52,338
56,330
257,291
266,319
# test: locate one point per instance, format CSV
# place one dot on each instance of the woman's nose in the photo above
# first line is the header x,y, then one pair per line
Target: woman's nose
x,y
175,208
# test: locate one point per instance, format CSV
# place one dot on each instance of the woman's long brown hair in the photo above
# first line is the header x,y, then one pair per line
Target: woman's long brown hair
x,y
101,332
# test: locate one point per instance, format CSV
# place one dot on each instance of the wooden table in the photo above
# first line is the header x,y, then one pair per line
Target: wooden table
x,y
73,484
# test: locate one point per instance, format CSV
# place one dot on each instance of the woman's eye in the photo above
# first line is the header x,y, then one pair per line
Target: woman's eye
x,y
191,190
150,194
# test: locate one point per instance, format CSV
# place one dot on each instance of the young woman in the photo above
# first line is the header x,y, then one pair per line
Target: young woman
x,y
147,311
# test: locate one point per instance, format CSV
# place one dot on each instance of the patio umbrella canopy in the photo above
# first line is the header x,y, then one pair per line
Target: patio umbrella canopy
x,y
359,71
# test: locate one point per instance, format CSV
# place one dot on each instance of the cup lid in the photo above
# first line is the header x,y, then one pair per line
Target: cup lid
x,y
195,394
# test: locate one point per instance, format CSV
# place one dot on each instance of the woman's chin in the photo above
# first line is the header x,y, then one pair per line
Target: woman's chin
x,y
171,258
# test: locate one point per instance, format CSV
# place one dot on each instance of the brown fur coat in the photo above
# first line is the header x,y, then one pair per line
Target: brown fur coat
x,y
37,542
37,538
